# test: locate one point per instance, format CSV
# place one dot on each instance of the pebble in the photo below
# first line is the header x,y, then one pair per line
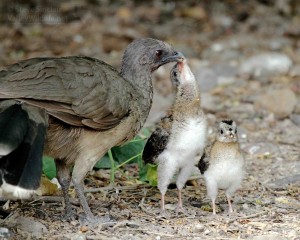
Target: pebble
x,y
198,228
78,236
5,233
226,73
281,102
295,118
260,149
266,64
28,225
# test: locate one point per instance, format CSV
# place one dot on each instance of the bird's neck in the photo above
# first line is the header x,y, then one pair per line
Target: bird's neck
x,y
141,80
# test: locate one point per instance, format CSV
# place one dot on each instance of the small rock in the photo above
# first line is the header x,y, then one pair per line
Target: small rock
x,y
226,73
78,236
198,228
260,149
266,64
295,118
28,225
5,233
281,102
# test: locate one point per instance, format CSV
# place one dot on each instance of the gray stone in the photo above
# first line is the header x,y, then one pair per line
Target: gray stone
x,y
226,73
78,236
260,149
5,233
28,225
198,228
266,64
295,119
281,102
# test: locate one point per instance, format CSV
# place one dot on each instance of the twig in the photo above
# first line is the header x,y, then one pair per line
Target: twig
x,y
141,205
111,187
252,215
148,232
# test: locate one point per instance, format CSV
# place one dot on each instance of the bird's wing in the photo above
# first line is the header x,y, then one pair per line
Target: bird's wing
x,y
203,163
80,91
157,142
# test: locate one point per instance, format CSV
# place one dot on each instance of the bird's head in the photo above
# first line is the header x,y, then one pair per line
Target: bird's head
x,y
227,131
149,54
181,73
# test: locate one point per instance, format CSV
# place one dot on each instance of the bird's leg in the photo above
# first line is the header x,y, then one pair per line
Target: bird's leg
x,y
179,206
229,203
64,179
79,171
182,177
214,206
80,193
162,202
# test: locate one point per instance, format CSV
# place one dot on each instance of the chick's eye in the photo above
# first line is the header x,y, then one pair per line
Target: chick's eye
x,y
158,53
175,74
221,131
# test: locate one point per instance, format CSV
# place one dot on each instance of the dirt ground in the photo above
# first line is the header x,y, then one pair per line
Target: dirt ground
x,y
219,37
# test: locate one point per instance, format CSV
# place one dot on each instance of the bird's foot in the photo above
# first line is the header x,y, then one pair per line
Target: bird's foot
x,y
69,215
214,217
164,214
181,210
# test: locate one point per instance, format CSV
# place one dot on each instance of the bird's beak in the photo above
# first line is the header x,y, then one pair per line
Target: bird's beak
x,y
176,57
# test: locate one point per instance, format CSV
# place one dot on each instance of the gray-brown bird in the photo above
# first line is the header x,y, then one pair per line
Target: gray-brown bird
x,y
179,136
222,164
73,109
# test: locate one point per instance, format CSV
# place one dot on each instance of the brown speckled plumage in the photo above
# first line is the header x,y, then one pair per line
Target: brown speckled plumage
x,y
179,136
223,163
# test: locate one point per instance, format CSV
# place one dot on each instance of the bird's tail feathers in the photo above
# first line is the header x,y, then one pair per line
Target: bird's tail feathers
x,y
23,140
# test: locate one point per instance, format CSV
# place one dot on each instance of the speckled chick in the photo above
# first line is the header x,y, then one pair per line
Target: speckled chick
x,y
179,136
223,163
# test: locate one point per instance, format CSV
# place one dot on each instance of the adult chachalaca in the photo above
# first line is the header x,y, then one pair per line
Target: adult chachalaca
x,y
80,107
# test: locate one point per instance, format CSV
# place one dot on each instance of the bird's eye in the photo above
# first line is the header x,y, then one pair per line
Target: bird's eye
x,y
175,74
158,53
230,129
221,131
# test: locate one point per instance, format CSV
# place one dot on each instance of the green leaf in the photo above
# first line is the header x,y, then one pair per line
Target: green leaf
x,y
103,163
49,167
127,151
148,173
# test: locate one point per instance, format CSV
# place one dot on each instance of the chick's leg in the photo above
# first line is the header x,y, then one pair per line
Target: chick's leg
x,y
165,172
182,177
212,192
